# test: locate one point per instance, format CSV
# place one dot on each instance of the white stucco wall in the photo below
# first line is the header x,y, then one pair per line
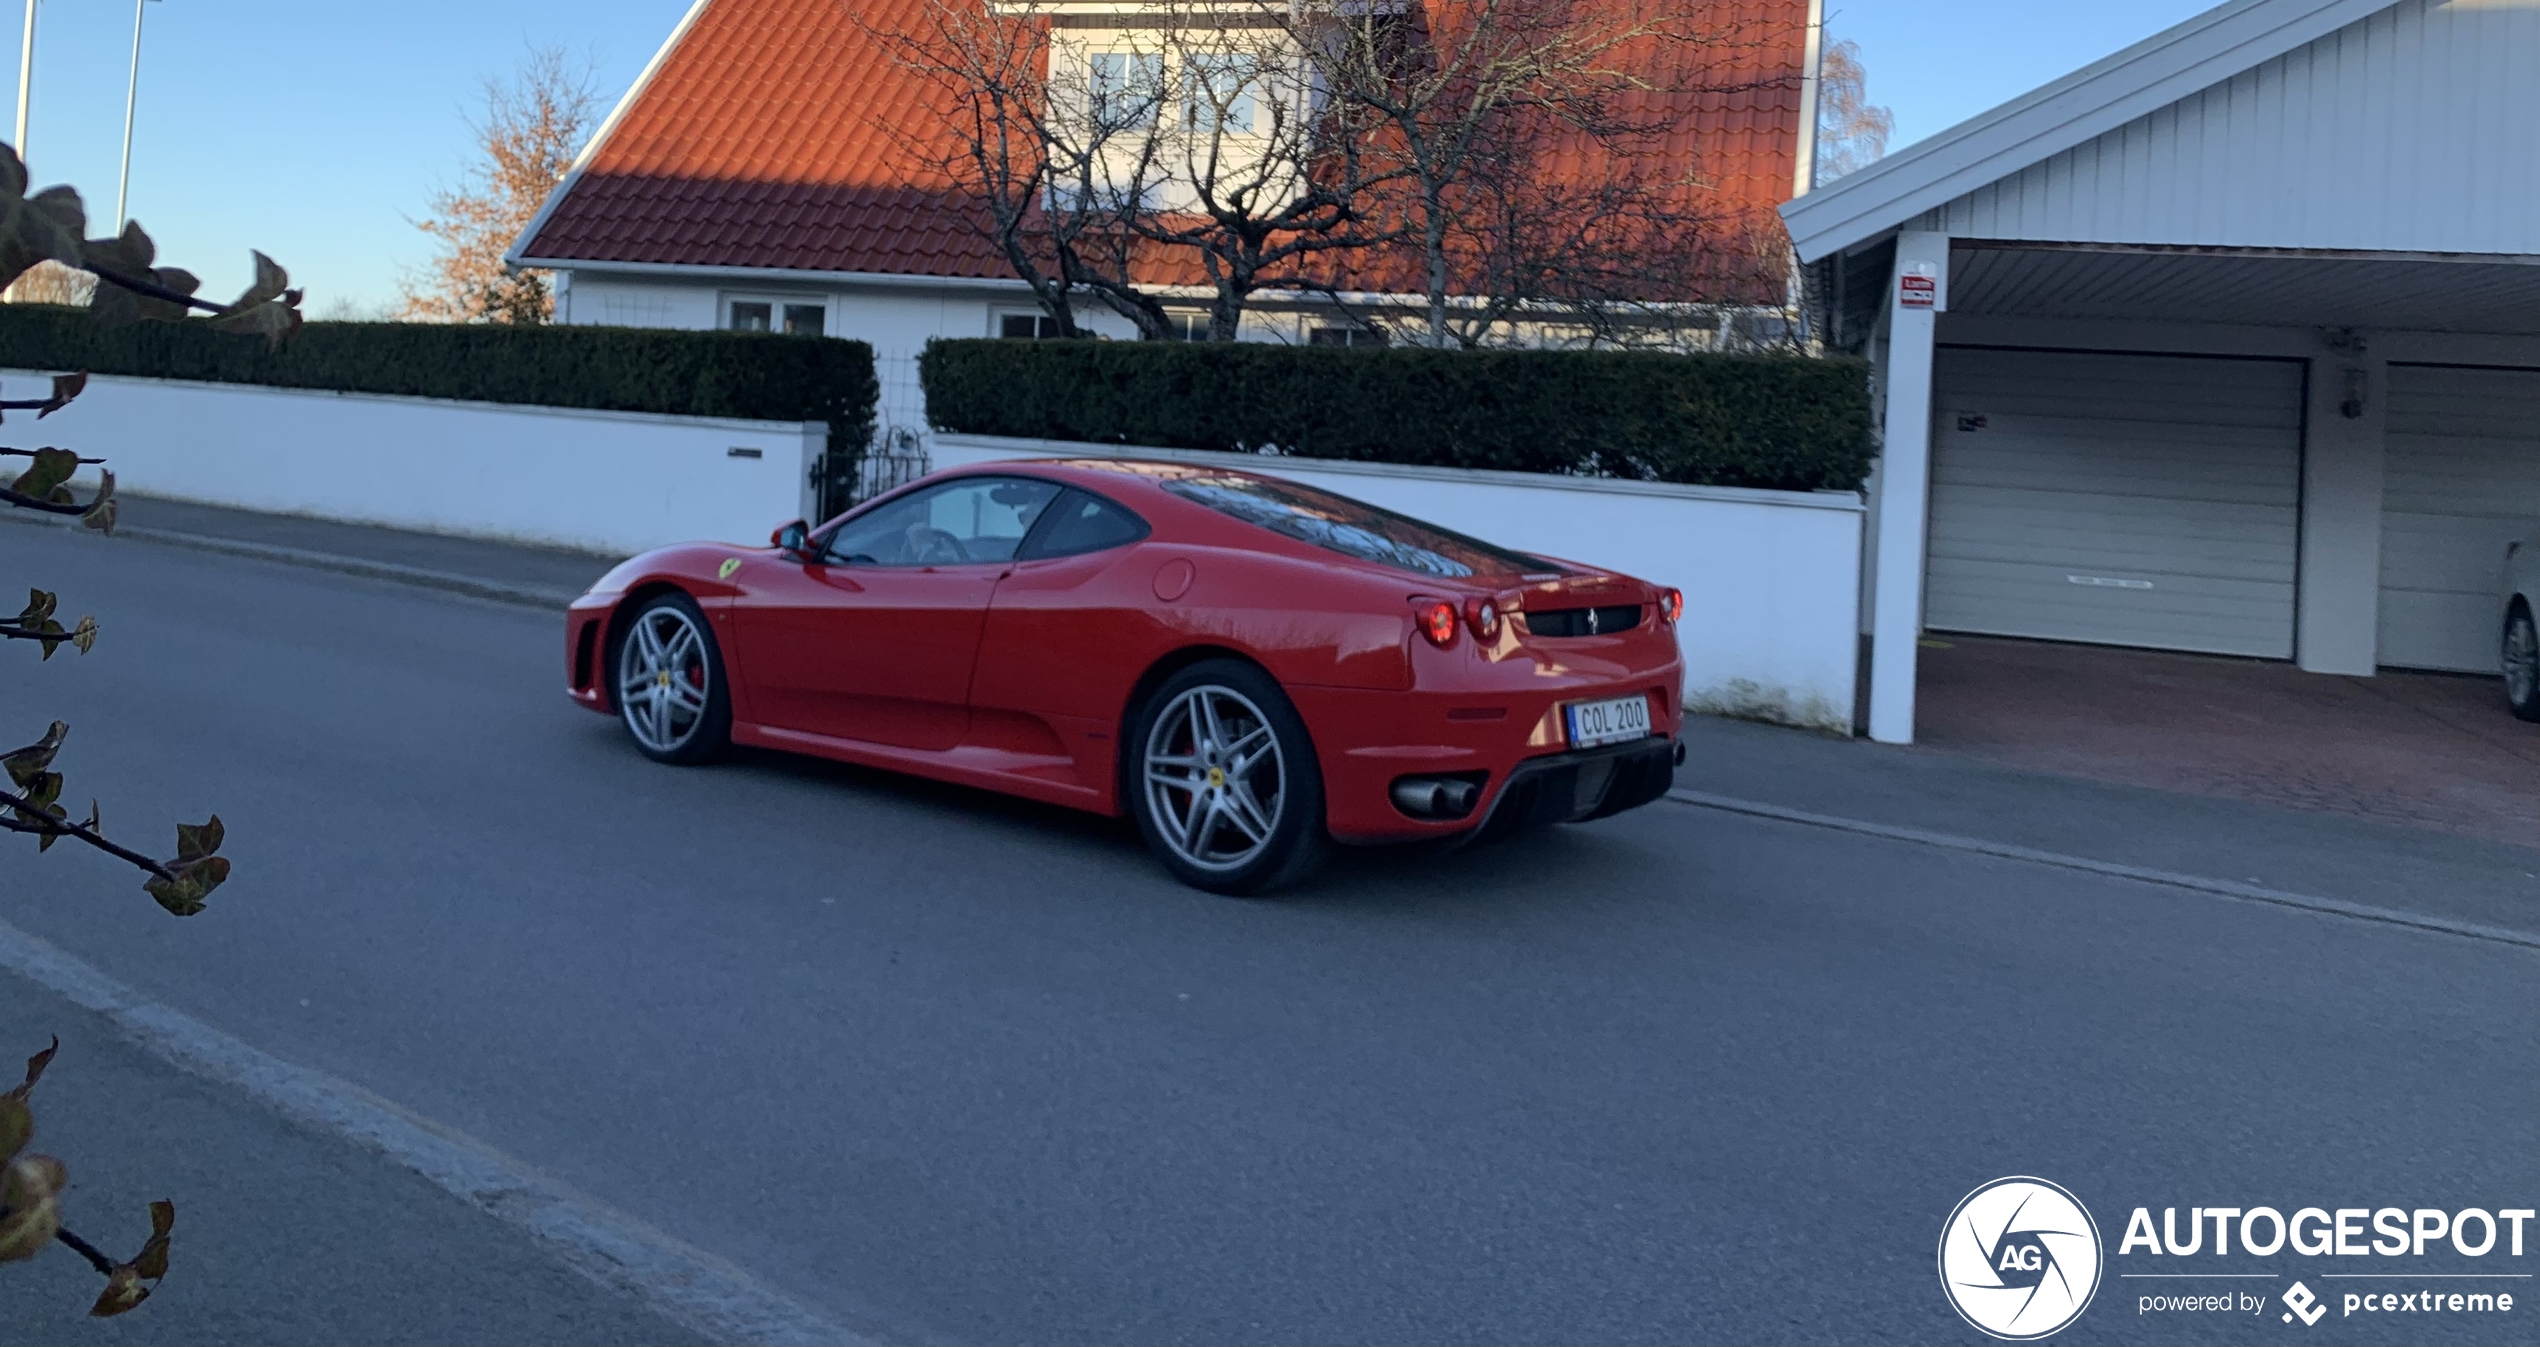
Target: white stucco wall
x,y
615,482
1771,578
896,318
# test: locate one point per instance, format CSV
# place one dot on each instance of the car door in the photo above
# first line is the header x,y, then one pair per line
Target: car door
x,y
875,638
1065,635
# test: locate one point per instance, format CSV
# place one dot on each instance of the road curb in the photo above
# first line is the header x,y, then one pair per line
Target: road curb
x,y
541,597
703,1293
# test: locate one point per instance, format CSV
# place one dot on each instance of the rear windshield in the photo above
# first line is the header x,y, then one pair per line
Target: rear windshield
x,y
1351,528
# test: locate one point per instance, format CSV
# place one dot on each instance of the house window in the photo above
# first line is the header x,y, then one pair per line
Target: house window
x,y
1126,87
769,315
1187,324
1035,326
1217,93
1346,336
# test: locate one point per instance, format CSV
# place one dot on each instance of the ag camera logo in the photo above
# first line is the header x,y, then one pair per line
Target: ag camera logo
x,y
2020,1259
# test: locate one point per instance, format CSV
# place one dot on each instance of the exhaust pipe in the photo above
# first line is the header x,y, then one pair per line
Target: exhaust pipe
x,y
1443,798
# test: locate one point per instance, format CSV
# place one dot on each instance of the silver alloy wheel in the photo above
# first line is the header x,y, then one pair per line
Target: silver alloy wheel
x,y
1215,781
2522,659
663,679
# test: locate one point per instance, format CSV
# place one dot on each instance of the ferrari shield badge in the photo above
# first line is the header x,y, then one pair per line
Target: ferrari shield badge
x,y
730,564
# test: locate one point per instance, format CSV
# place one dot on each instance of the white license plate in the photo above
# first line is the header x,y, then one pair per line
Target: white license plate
x,y
1614,722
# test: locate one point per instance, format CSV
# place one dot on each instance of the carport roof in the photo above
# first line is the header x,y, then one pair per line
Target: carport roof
x,y
2205,51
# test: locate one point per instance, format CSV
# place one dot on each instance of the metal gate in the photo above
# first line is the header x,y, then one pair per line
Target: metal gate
x,y
845,481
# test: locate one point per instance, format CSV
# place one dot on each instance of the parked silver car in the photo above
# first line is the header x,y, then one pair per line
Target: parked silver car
x,y
2522,641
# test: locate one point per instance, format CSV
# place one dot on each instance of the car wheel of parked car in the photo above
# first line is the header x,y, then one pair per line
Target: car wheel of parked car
x,y
1224,781
670,688
2522,663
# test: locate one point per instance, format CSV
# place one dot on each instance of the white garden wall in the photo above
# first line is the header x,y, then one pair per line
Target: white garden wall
x,y
614,482
1771,578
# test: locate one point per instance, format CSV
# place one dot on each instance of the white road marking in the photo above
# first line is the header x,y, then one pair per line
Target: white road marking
x,y
704,1293
2253,893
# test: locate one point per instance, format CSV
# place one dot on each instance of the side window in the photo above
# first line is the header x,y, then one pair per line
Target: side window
x,y
1082,522
976,519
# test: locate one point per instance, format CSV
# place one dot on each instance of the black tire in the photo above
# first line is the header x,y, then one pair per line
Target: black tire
x,y
2522,663
694,728
1227,796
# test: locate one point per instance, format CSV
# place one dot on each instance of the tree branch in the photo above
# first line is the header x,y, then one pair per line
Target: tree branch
x,y
154,290
105,1266
26,502
13,631
30,453
26,810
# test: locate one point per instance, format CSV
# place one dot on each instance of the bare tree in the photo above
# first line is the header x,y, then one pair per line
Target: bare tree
x,y
1534,136
51,282
1605,251
1852,132
1261,179
128,287
532,126
1456,90
1031,154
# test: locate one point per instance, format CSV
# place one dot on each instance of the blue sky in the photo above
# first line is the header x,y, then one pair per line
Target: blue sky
x,y
314,128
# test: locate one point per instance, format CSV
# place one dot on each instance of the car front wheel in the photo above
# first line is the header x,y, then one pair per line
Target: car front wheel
x,y
1225,785
670,686
2522,663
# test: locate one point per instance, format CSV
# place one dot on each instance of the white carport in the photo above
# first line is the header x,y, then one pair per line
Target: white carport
x,y
2229,342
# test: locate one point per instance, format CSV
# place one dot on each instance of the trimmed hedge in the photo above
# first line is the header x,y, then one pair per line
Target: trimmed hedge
x,y
1788,422
750,376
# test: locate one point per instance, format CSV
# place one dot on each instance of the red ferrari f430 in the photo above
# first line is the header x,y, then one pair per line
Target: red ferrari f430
x,y
1251,668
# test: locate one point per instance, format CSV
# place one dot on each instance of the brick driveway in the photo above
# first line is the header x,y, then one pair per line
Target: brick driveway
x,y
2429,750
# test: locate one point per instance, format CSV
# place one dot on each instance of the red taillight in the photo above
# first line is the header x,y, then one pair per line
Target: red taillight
x,y
1483,614
1671,605
1437,621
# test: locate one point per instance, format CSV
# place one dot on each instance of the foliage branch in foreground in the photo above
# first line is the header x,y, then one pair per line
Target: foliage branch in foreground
x,y
131,287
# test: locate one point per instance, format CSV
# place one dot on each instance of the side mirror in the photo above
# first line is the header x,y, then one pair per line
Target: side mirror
x,y
793,539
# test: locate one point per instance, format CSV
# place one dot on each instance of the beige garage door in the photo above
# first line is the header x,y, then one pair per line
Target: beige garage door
x,y
2461,480
2117,499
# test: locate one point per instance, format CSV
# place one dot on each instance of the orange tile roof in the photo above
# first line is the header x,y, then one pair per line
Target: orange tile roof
x,y
775,135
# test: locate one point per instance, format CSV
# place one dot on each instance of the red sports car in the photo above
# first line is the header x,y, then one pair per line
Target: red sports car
x,y
1250,667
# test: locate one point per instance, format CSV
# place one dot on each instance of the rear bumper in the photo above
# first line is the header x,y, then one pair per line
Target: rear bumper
x,y
1586,784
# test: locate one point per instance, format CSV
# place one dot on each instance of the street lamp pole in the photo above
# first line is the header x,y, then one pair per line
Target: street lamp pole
x,y
26,76
131,97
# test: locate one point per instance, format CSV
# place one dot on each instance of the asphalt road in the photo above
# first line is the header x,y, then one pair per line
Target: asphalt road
x,y
957,1068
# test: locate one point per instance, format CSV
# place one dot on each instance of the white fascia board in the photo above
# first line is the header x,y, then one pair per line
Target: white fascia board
x,y
777,278
512,256
774,276
2195,55
1811,95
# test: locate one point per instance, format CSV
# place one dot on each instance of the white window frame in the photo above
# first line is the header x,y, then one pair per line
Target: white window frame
x,y
776,306
997,317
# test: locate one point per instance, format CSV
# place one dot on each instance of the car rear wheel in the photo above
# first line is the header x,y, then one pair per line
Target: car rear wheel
x,y
2522,662
1226,788
670,687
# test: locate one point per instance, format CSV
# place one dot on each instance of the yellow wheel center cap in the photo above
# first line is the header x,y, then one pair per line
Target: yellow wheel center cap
x,y
663,678
1216,778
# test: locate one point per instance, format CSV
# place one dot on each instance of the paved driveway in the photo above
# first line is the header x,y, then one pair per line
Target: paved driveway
x,y
2419,749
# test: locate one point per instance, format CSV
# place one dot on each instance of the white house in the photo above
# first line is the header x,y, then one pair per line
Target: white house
x,y
2229,342
771,169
